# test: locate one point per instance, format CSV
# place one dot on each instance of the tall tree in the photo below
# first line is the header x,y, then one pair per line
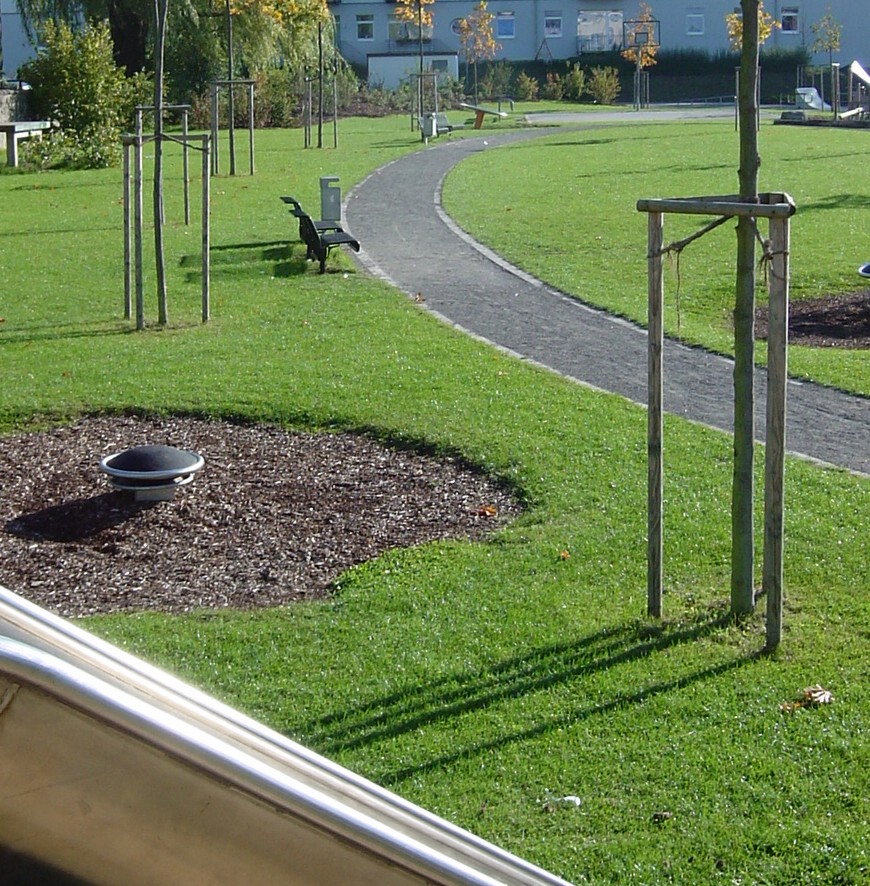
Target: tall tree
x,y
476,40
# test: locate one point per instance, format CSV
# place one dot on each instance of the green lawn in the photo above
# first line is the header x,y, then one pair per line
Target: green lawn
x,y
483,681
570,219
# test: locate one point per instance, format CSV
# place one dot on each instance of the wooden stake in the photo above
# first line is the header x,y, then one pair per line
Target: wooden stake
x,y
774,461
655,231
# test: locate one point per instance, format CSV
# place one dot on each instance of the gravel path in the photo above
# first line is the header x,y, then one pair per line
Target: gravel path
x,y
409,240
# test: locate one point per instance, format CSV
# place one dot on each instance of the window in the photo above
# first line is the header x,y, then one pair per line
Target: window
x,y
598,30
694,24
552,23
336,29
505,26
404,31
365,26
790,21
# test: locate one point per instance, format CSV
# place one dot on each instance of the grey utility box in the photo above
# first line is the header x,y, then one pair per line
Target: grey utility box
x,y
430,126
330,198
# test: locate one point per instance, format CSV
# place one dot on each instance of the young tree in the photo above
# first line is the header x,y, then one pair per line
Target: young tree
x,y
642,48
418,14
642,43
742,533
476,40
827,32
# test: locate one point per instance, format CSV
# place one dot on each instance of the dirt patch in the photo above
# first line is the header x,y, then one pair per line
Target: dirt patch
x,y
274,517
835,321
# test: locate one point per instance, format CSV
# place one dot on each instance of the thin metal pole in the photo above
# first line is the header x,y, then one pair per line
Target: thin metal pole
x,y
655,413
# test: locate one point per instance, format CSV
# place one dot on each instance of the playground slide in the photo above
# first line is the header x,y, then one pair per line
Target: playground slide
x,y
114,771
858,71
808,97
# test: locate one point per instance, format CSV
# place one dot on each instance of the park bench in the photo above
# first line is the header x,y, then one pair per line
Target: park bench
x,y
480,113
297,212
18,130
319,243
442,125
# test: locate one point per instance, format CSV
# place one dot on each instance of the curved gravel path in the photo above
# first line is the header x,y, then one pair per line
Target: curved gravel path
x,y
408,239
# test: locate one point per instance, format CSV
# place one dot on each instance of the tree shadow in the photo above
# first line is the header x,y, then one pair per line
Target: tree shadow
x,y
836,201
533,671
60,332
283,258
77,520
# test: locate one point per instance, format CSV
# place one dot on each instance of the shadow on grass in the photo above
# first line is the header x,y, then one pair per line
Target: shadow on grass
x,y
836,201
536,670
284,258
47,332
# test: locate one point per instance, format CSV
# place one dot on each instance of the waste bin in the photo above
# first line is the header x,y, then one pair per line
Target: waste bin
x,y
330,198
430,129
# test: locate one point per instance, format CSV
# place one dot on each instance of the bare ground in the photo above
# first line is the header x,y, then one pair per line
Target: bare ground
x,y
274,517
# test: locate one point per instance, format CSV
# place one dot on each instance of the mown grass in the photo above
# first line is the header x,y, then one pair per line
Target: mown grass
x,y
570,218
483,681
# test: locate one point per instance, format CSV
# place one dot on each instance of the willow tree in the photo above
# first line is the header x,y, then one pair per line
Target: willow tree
x,y
476,40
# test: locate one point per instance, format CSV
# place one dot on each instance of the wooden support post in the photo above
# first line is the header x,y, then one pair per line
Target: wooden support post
x,y
215,121
251,123
774,461
655,231
185,165
206,230
137,233
128,270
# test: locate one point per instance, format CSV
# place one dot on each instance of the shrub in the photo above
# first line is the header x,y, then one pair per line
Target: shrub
x,y
604,85
554,88
526,88
496,82
77,84
575,83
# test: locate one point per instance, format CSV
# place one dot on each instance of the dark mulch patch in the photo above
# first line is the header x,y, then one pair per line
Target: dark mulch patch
x,y
835,321
274,517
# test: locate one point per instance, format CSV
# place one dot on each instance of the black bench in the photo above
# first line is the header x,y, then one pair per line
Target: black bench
x,y
320,242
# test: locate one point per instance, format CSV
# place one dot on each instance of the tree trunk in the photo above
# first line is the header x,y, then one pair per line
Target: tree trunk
x,y
742,534
160,9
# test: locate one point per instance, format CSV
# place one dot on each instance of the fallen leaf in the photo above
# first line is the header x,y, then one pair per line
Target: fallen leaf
x,y
564,555
487,511
812,696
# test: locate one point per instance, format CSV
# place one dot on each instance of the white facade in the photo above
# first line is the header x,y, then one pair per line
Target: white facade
x,y
15,47
566,29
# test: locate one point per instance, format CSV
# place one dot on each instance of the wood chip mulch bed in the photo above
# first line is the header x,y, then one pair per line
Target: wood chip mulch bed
x,y
274,517
835,321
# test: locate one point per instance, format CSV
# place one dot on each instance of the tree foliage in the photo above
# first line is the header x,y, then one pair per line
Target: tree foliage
x,y
77,84
827,32
642,50
476,39
267,33
415,12
734,25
